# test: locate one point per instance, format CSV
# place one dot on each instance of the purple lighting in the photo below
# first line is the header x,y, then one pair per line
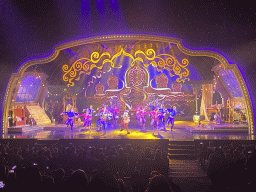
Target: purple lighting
x,y
28,89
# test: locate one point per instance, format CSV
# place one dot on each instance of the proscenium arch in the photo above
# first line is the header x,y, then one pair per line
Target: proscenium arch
x,y
15,76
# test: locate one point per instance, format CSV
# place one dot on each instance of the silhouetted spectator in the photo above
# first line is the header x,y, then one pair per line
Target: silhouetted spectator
x,y
57,176
136,180
122,185
3,173
157,183
174,186
203,154
28,179
121,164
104,182
210,149
159,164
78,181
48,184
217,163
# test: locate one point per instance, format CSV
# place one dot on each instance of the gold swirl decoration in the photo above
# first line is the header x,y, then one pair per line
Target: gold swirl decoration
x,y
161,61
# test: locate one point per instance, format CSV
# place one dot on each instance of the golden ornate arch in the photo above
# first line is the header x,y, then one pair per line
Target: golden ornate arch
x,y
97,60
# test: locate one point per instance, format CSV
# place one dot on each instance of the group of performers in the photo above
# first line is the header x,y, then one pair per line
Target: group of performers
x,y
157,114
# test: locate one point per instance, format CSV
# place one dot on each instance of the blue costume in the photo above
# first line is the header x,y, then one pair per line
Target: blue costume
x,y
154,106
70,118
91,111
103,118
104,113
170,119
161,117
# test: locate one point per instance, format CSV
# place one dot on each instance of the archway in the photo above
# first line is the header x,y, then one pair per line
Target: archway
x,y
79,66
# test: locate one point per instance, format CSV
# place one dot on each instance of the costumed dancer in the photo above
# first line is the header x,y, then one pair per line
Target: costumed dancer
x,y
217,118
104,113
125,122
70,114
115,112
172,113
137,114
155,119
153,105
98,122
87,119
142,117
91,111
162,112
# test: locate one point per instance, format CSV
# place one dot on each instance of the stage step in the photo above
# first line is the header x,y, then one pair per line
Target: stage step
x,y
181,150
39,115
180,146
221,131
231,127
185,168
182,156
180,142
187,184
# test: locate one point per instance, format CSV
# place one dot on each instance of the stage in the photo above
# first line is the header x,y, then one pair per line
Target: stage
x,y
183,131
148,78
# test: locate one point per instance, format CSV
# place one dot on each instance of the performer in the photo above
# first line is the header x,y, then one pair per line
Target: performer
x,y
104,113
137,114
98,122
154,105
70,114
155,115
217,118
142,118
115,112
172,113
125,122
91,110
87,119
162,112
154,118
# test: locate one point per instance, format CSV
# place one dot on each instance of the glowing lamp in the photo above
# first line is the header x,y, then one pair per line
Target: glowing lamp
x,y
196,118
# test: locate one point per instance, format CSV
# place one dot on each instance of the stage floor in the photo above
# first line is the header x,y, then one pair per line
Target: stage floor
x,y
183,131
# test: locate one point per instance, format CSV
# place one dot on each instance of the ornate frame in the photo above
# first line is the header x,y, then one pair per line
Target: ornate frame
x,y
57,49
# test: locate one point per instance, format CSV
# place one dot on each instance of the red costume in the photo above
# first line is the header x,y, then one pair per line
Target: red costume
x,y
125,122
141,116
87,119
155,118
